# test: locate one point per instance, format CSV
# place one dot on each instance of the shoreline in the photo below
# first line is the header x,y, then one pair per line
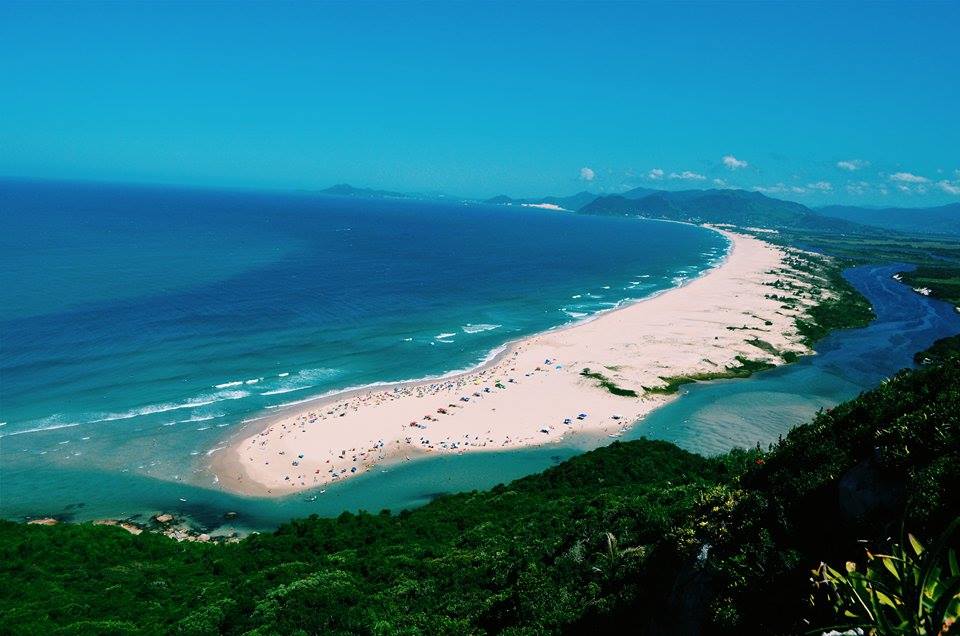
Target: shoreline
x,y
344,433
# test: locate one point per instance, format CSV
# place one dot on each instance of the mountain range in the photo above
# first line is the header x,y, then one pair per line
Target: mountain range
x,y
743,208
944,219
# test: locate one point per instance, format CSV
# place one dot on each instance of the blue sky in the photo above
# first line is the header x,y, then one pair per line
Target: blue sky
x,y
854,103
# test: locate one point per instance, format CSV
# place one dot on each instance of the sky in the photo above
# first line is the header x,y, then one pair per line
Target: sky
x,y
819,103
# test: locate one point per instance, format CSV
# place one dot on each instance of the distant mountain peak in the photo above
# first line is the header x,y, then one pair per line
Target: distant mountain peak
x,y
347,190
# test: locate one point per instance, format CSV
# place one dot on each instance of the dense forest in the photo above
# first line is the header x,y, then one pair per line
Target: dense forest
x,y
638,535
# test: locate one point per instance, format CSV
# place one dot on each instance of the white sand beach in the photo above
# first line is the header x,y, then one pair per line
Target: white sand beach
x,y
534,392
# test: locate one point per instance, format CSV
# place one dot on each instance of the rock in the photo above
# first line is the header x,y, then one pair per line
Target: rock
x,y
132,529
163,518
46,521
866,490
230,515
203,537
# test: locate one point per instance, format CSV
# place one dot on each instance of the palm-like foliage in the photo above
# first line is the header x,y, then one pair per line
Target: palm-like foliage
x,y
912,590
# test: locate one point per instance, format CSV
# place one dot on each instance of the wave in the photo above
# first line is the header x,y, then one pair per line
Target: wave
x,y
471,328
287,390
192,403
283,375
575,314
151,409
444,335
40,429
301,380
227,385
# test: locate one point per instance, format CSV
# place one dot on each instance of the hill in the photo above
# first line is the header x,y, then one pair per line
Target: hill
x,y
638,536
347,190
573,202
944,219
738,207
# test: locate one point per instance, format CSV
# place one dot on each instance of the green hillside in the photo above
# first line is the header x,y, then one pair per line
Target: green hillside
x,y
944,219
638,536
737,207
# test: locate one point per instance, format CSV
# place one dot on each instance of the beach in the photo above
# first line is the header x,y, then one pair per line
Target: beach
x,y
595,377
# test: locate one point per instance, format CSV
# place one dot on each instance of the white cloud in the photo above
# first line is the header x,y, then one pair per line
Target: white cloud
x,y
857,187
852,164
587,174
823,186
907,177
688,175
950,187
720,183
733,163
656,174
774,189
903,188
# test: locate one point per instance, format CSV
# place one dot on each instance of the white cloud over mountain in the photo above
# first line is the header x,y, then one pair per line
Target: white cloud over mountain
x,y
733,163
687,175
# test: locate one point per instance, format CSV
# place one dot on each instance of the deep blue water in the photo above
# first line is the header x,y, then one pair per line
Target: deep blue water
x,y
141,325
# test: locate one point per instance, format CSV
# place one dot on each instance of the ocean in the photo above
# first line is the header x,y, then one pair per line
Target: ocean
x,y
140,326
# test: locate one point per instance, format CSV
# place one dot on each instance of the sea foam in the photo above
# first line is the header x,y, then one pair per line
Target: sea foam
x,y
471,328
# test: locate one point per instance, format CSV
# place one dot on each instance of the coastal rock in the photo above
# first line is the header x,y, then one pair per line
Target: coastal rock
x,y
164,518
129,527
45,521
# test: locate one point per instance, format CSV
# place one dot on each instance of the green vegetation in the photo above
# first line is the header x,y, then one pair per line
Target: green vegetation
x,y
637,537
939,352
842,308
943,282
743,369
860,249
764,346
608,384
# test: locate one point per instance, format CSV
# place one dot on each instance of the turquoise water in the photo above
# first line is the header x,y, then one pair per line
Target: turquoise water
x,y
140,326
